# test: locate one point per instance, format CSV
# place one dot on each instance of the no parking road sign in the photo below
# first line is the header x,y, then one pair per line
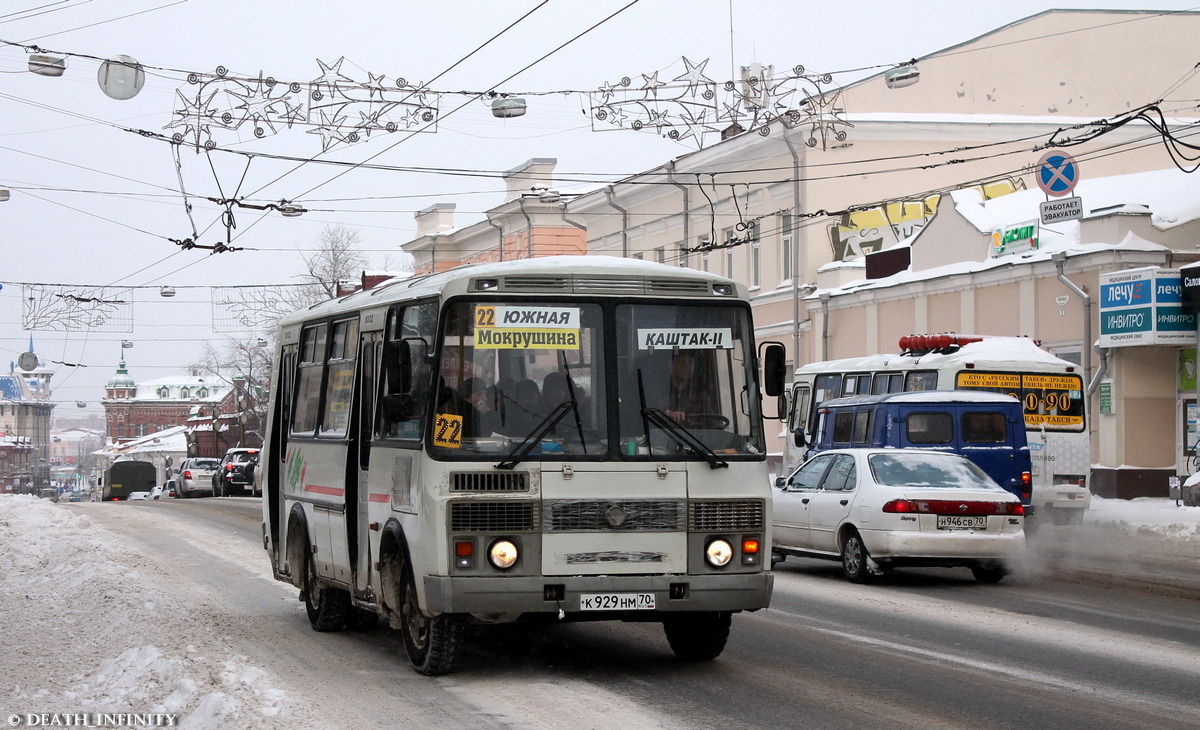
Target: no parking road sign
x,y
1057,173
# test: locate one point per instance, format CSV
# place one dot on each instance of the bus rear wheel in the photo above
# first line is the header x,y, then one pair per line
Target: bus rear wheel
x,y
434,644
698,636
326,607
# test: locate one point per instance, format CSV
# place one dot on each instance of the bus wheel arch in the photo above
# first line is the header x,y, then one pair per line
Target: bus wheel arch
x,y
433,643
298,546
393,554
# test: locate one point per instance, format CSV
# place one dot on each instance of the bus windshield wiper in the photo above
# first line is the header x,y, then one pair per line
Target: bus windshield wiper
x,y
683,436
521,450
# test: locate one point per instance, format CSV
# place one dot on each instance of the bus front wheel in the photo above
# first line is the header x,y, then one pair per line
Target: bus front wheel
x,y
326,607
698,636
434,644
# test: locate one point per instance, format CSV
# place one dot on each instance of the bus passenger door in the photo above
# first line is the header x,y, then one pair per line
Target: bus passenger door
x,y
359,457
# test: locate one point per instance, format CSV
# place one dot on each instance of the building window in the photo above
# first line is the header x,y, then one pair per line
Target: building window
x,y
660,255
704,262
683,254
729,262
202,393
164,392
184,393
638,256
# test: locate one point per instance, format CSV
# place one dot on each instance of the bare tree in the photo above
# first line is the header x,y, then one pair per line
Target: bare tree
x,y
244,365
337,258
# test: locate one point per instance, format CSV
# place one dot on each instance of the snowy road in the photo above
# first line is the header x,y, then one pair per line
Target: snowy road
x,y
170,607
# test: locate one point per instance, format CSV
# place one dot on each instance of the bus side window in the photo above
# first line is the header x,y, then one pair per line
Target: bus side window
x,y
407,372
921,380
887,383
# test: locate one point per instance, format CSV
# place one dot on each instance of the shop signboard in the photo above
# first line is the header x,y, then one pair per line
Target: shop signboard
x,y
1144,307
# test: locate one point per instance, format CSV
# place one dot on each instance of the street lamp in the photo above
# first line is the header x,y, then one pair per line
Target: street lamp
x,y
44,64
902,76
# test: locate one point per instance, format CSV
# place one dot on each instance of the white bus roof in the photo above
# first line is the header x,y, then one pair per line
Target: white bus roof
x,y
552,271
924,396
990,352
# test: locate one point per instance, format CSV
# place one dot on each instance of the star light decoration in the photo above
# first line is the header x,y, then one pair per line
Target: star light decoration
x,y
333,106
688,108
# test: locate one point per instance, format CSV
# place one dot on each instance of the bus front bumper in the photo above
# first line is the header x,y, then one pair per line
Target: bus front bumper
x,y
539,594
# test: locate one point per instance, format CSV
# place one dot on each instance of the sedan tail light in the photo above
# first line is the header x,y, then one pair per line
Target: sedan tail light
x,y
187,473
953,507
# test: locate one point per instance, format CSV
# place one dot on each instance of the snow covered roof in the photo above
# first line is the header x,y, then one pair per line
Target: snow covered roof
x,y
172,439
150,389
1170,196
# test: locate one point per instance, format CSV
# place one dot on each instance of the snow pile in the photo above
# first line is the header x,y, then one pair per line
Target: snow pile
x,y
82,632
1146,514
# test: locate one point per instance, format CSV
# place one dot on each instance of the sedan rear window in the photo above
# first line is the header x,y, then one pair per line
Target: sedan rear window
x,y
917,469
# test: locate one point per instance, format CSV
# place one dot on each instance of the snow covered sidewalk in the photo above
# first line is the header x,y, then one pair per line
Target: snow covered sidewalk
x,y
83,633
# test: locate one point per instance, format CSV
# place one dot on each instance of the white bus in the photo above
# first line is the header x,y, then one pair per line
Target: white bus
x,y
1050,388
564,438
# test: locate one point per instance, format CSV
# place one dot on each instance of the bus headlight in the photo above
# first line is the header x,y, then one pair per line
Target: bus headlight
x,y
718,553
503,554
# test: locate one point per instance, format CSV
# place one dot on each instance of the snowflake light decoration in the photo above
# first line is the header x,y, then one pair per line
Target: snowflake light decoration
x,y
333,106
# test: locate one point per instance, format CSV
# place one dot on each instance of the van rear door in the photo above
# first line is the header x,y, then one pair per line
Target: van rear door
x,y
989,437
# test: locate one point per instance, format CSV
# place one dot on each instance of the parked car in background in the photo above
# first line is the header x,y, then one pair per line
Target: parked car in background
x,y
878,509
164,490
195,477
138,495
235,474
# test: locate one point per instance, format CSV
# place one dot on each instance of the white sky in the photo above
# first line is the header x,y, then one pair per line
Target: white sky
x,y
61,134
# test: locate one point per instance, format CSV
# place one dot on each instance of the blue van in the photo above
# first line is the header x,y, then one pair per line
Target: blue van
x,y
987,428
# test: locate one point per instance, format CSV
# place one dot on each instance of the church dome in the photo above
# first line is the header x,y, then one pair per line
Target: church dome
x,y
122,379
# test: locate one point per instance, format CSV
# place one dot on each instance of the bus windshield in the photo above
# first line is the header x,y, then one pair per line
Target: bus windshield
x,y
689,364
506,368
523,371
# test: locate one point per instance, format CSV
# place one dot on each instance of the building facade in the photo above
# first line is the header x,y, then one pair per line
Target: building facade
x,y
851,236
25,414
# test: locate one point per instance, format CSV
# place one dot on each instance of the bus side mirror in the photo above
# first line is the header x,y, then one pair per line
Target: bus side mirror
x,y
798,437
781,406
397,366
774,369
397,407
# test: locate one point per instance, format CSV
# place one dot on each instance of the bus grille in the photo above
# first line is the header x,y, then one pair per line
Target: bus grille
x,y
603,285
493,517
489,481
721,516
676,286
628,515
